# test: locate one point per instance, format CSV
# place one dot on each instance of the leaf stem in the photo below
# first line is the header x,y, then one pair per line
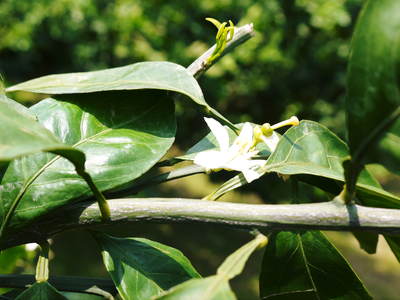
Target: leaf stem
x,y
42,267
101,200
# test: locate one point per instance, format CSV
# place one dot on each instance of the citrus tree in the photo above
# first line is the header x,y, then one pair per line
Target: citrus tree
x,y
74,160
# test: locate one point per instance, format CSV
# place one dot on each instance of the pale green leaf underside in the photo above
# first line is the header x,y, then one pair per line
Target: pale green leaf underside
x,y
216,287
144,75
142,268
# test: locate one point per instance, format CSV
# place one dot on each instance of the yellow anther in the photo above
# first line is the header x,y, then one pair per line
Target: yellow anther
x,y
293,121
267,129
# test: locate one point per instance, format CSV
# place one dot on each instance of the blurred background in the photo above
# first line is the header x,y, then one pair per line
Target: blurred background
x,y
295,65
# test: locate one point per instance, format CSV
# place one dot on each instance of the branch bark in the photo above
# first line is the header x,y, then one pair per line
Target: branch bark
x,y
332,215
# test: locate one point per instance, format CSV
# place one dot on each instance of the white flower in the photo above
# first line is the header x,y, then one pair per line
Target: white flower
x,y
238,156
31,246
235,157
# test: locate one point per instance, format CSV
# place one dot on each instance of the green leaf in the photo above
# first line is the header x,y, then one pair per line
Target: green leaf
x,y
143,75
387,152
122,139
141,268
21,135
312,149
373,73
210,288
394,244
42,291
216,287
368,240
307,266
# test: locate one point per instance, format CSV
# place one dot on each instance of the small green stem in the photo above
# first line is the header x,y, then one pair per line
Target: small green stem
x,y
42,267
101,200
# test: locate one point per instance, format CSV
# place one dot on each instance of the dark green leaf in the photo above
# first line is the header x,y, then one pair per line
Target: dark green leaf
x,y
307,266
388,151
141,268
216,287
373,74
368,241
312,149
122,139
394,244
42,291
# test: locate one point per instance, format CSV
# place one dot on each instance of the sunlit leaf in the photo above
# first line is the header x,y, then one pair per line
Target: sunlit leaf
x,y
312,149
216,287
122,139
142,268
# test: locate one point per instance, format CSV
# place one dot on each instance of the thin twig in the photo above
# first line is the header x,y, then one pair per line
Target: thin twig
x,y
242,34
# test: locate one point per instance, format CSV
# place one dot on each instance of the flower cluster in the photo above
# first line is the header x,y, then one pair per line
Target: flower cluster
x,y
239,155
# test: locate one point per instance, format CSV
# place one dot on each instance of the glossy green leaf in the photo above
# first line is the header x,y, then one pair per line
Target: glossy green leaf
x,y
394,244
307,266
21,135
122,139
42,291
373,92
216,287
142,268
312,149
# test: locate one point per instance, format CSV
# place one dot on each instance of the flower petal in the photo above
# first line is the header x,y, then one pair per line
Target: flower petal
x,y
271,141
245,138
220,133
251,175
211,159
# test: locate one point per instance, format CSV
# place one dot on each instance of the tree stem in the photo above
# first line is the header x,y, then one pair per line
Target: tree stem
x,y
332,215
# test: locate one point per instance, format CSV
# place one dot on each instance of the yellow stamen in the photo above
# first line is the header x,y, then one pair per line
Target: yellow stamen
x,y
293,121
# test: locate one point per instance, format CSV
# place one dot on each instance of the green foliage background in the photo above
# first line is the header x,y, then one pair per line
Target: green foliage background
x,y
295,65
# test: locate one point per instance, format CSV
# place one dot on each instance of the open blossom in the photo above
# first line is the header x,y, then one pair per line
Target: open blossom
x,y
238,156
